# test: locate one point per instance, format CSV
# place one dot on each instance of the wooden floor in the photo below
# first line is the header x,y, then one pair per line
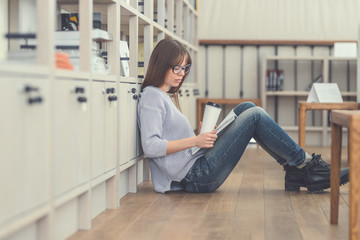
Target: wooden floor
x,y
251,204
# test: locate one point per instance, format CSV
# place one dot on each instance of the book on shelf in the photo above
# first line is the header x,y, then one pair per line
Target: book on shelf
x,y
70,21
69,42
274,80
72,38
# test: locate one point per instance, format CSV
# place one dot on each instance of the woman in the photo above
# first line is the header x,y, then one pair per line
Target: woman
x,y
167,137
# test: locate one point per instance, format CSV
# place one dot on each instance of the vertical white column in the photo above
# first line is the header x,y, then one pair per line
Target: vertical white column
x,y
186,24
170,15
161,18
46,56
179,17
86,15
45,32
148,34
113,46
111,195
133,178
84,211
133,45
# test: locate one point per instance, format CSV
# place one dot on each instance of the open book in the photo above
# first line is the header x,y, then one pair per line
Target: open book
x,y
224,123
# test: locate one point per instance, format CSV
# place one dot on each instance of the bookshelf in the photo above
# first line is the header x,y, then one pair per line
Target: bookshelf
x,y
71,134
283,105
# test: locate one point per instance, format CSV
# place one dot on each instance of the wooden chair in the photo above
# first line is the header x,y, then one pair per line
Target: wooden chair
x,y
350,120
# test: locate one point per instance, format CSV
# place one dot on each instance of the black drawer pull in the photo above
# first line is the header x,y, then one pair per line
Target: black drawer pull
x,y
29,88
110,90
112,98
35,100
82,99
79,90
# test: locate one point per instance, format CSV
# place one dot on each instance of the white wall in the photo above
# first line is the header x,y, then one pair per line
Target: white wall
x,y
279,19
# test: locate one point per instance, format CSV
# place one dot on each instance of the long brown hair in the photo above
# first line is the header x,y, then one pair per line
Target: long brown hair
x,y
166,54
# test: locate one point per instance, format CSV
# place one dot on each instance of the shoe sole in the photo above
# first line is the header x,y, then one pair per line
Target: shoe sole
x,y
294,187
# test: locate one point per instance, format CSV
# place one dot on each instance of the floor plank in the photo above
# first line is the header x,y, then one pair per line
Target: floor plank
x,y
251,204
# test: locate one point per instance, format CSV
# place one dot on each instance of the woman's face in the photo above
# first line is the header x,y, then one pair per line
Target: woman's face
x,y
172,79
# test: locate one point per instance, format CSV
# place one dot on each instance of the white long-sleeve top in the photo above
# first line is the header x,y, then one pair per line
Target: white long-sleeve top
x,y
160,121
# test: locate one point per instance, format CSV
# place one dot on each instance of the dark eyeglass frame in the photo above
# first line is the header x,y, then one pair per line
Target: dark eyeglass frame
x,y
180,68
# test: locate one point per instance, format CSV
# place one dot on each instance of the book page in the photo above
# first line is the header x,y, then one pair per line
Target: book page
x,y
227,120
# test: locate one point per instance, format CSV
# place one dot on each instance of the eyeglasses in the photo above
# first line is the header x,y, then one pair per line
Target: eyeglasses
x,y
178,68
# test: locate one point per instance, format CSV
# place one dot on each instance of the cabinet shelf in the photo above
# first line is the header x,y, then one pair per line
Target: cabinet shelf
x,y
308,128
297,58
103,77
94,1
341,59
302,93
10,67
74,75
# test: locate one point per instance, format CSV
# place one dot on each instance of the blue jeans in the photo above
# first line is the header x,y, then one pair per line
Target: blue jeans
x,y
210,171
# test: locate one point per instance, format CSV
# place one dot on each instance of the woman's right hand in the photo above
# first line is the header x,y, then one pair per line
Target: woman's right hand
x,y
207,139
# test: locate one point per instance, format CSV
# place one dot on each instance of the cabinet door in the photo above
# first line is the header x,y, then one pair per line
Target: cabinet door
x,y
139,150
110,126
24,138
123,121
98,127
129,134
71,134
133,133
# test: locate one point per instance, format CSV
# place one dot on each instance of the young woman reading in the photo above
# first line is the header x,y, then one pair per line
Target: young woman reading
x,y
167,137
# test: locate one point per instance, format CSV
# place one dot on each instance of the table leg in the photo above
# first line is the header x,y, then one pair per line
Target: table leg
x,y
336,135
354,145
302,121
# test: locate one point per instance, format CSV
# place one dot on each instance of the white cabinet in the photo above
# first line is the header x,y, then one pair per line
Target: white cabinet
x,y
129,133
24,143
111,126
103,127
61,141
71,134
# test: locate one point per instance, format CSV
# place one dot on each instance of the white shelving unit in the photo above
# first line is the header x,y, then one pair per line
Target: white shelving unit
x,y
69,138
283,105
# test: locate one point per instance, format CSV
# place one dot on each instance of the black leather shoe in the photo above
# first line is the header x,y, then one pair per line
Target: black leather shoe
x,y
315,176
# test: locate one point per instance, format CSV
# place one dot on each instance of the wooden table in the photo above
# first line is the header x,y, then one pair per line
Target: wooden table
x,y
222,101
351,120
304,106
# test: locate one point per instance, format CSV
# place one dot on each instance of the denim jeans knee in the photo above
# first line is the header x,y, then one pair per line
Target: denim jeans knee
x,y
242,107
